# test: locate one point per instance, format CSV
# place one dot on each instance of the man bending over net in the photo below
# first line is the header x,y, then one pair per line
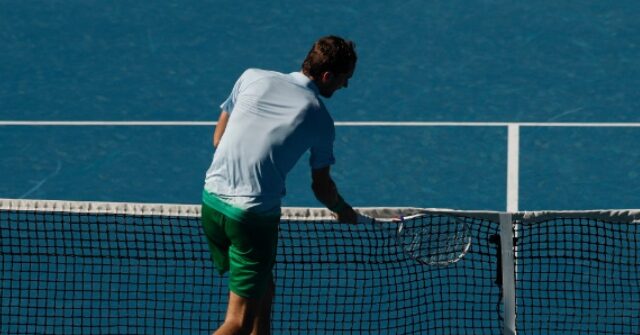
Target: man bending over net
x,y
268,122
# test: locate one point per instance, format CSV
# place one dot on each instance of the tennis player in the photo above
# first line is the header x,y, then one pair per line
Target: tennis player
x,y
267,123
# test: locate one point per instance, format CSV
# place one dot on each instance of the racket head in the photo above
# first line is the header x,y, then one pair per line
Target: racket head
x,y
434,239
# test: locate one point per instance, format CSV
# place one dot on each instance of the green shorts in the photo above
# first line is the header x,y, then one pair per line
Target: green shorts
x,y
246,249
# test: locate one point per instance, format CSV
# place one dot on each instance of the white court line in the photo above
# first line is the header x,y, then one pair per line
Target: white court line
x,y
338,123
513,168
106,123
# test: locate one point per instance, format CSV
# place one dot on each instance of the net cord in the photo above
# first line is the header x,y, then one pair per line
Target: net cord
x,y
178,210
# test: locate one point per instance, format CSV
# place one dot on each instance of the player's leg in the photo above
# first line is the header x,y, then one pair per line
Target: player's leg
x,y
241,316
262,321
247,249
252,257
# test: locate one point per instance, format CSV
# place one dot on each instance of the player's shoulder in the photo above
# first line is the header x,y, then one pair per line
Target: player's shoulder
x,y
255,76
255,73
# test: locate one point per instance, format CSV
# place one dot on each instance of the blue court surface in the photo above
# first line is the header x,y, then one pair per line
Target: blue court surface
x,y
115,101
419,61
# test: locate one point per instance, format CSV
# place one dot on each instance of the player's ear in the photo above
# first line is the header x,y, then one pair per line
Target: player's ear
x,y
326,76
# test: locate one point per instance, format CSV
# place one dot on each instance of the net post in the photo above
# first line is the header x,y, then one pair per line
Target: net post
x,y
508,273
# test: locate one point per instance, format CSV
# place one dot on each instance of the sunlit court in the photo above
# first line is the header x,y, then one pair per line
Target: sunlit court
x,y
488,147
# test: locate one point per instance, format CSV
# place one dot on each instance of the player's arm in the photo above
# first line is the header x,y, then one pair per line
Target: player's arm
x,y
326,192
220,127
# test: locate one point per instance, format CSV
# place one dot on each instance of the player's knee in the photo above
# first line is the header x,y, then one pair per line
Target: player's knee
x,y
239,326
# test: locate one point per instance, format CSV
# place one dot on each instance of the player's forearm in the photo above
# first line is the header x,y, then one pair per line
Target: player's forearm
x,y
326,192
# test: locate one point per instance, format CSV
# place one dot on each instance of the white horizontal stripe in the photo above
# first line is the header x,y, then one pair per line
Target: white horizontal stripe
x,y
106,123
338,123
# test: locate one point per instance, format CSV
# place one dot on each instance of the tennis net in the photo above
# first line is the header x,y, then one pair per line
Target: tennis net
x,y
114,268
578,272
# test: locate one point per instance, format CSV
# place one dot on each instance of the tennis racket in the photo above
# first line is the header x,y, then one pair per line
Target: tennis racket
x,y
430,239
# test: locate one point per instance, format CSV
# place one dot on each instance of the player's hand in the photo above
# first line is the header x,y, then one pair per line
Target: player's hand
x,y
347,215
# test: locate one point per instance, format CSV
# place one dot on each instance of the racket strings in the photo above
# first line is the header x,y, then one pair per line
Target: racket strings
x,y
434,240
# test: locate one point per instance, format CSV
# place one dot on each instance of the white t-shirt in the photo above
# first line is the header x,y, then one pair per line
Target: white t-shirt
x,y
274,119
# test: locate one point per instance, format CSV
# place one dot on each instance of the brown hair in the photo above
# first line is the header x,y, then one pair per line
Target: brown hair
x,y
330,54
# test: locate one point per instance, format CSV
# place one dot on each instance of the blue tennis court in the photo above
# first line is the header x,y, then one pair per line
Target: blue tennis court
x,y
114,101
481,61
